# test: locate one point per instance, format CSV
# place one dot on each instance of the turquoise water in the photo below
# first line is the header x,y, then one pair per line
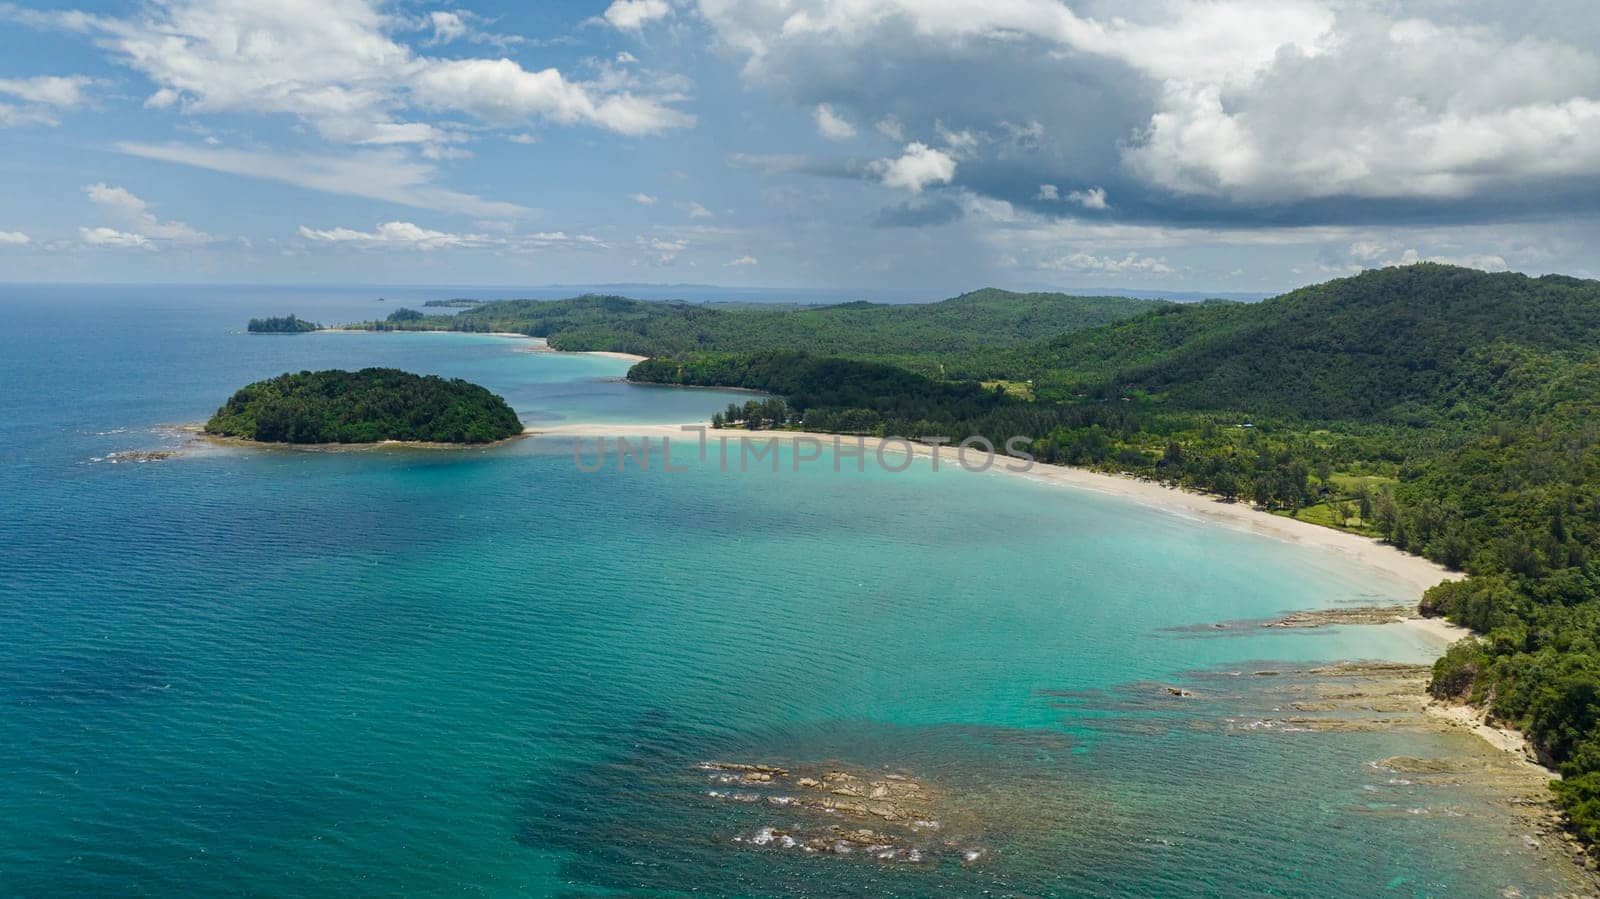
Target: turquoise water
x,y
486,672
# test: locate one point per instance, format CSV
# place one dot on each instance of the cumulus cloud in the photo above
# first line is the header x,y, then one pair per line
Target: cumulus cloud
x,y
111,237
500,91
642,199
335,65
14,239
830,125
1390,109
632,15
1092,198
1221,105
743,261
1049,193
916,167
696,211
143,228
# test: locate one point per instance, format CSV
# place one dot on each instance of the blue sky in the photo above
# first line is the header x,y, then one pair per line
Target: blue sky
x,y
1239,145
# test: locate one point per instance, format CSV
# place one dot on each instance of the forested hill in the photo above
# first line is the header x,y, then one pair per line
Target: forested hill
x,y
366,406
1393,345
917,335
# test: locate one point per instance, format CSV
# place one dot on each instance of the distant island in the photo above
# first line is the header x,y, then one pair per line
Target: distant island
x,y
452,304
287,324
366,406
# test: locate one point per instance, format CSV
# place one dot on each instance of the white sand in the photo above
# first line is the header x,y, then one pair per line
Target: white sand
x,y
1416,574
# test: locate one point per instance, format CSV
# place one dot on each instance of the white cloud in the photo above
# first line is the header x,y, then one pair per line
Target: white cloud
x,y
642,199
960,143
411,236
500,91
403,234
1088,263
890,127
665,251
1092,198
696,211
334,64
14,239
138,219
743,261
1366,250
916,168
1249,101
110,237
1391,109
447,26
632,15
42,97
830,125
375,174
48,90
16,116
1049,193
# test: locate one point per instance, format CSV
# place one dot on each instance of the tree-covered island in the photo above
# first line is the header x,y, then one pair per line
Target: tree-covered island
x,y
287,324
366,406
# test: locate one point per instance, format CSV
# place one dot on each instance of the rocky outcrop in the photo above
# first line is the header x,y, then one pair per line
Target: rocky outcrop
x,y
879,816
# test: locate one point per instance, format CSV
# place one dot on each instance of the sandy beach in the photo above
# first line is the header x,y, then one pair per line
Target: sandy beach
x,y
1414,572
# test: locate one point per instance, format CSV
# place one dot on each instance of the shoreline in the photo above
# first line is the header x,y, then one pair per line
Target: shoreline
x,y
222,440
541,345
1414,572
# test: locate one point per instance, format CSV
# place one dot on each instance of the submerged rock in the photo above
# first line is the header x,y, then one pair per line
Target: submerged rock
x,y
1352,615
886,817
141,456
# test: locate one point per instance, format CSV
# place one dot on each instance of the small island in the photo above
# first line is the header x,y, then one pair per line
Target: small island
x,y
372,405
287,324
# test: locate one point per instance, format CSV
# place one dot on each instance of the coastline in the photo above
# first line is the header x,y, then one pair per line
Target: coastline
x,y
1414,572
220,440
540,344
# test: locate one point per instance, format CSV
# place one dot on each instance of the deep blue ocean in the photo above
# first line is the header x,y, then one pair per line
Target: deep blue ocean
x,y
486,672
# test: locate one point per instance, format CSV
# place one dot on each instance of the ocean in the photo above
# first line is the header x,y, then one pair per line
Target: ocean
x,y
487,671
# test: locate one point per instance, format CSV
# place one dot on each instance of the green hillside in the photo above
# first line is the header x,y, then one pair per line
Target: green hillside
x,y
917,335
1375,346
1451,412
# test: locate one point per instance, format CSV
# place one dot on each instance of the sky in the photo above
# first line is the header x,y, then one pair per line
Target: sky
x,y
1226,145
